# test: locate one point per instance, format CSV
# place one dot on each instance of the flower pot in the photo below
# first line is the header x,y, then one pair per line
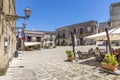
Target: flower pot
x,y
70,59
109,67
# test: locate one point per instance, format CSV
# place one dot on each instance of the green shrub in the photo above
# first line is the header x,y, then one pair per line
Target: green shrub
x,y
69,53
110,59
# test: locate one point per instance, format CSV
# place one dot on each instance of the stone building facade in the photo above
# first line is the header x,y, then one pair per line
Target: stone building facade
x,y
33,36
63,35
115,18
49,38
115,14
103,25
44,37
7,35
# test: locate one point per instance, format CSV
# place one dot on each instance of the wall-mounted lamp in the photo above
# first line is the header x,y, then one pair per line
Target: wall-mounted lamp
x,y
14,17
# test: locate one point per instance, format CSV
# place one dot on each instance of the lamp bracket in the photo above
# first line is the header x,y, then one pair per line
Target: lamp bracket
x,y
11,17
14,17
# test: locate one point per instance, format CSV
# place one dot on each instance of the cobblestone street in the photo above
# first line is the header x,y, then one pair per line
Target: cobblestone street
x,y
51,64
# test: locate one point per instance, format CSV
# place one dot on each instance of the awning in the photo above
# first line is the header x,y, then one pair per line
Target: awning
x,y
31,43
102,36
48,42
117,31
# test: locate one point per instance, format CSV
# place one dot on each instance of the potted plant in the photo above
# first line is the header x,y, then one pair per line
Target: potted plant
x,y
110,62
69,55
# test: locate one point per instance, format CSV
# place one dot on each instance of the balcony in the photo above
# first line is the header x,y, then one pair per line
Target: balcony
x,y
60,37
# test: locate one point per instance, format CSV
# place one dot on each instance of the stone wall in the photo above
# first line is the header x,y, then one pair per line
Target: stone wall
x,y
7,36
103,25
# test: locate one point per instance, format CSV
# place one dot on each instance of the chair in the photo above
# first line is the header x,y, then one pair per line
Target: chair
x,y
82,55
91,52
118,56
98,55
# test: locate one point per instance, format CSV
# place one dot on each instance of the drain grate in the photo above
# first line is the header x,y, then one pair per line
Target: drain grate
x,y
21,66
16,67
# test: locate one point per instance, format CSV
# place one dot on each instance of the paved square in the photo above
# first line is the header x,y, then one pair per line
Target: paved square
x,y
51,64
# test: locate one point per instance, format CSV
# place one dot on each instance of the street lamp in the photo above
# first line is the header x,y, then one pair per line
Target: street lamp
x,y
21,29
24,24
18,28
27,12
14,17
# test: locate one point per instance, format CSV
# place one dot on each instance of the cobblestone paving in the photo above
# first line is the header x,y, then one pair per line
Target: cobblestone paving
x,y
51,64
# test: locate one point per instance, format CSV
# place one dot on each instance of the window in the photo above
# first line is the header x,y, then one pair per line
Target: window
x,y
89,29
63,35
81,41
63,42
51,40
6,43
58,35
58,43
1,4
9,6
29,39
81,30
51,36
38,39
75,31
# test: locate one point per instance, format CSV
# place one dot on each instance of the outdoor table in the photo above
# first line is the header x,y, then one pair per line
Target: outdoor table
x,y
102,52
91,53
85,54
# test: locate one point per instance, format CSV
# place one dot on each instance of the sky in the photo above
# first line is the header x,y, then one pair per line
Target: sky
x,y
48,15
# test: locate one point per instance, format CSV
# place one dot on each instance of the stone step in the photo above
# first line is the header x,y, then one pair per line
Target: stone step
x,y
6,78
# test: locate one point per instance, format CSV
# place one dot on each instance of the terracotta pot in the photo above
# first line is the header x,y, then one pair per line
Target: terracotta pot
x,y
109,67
70,59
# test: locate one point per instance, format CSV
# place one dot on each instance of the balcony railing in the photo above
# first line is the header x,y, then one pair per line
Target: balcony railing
x,y
60,37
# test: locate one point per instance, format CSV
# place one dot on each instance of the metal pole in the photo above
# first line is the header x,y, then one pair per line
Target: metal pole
x,y
106,46
24,39
19,46
108,39
18,41
73,44
23,45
